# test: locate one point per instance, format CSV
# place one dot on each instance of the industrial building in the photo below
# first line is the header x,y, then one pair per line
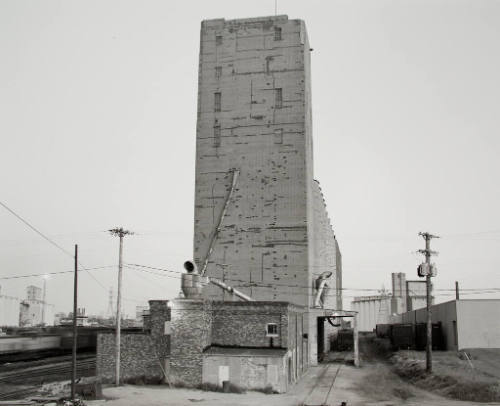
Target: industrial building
x,y
469,323
264,291
34,311
260,218
377,309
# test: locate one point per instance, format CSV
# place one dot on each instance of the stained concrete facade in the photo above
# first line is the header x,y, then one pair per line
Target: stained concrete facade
x,y
255,129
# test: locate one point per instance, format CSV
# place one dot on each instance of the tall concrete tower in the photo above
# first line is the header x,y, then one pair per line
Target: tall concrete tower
x,y
260,218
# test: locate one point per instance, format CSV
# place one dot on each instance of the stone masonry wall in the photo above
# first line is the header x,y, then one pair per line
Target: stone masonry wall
x,y
138,357
191,333
243,324
142,354
159,314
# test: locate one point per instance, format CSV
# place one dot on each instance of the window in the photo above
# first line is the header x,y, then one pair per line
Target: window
x,y
217,135
268,64
217,101
278,98
271,330
278,136
218,72
218,40
168,329
277,33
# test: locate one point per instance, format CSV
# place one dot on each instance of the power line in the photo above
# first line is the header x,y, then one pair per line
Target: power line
x,y
55,273
35,229
32,227
130,265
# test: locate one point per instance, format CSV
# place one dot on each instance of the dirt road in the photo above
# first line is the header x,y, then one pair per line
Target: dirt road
x,y
371,385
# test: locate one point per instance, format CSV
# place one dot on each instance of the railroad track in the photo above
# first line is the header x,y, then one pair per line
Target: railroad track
x,y
45,373
18,393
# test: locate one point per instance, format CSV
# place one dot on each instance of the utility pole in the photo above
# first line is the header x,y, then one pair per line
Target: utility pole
x,y
428,270
43,299
120,232
75,329
457,291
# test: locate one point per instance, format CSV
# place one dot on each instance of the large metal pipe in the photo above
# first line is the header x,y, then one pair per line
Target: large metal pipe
x,y
230,289
322,279
192,283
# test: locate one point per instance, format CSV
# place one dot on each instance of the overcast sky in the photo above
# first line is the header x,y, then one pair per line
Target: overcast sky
x,y
98,125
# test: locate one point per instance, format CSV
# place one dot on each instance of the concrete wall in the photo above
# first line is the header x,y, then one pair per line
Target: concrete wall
x,y
478,323
139,357
323,250
250,371
276,236
262,248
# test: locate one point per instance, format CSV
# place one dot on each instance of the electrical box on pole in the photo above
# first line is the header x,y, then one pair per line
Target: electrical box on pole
x,y
427,270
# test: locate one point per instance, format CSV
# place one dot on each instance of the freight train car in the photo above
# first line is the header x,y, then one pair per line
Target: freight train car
x,y
17,344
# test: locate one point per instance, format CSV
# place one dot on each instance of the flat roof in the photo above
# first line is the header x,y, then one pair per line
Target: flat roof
x,y
245,351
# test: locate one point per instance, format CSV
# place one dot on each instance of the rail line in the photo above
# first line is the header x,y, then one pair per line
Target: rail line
x,y
18,393
333,383
45,373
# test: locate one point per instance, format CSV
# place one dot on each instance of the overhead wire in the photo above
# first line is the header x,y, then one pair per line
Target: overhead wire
x,y
66,252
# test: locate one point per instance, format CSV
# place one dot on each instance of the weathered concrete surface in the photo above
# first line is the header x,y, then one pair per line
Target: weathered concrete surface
x,y
254,116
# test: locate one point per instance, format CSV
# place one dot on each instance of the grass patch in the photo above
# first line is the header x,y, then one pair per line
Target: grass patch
x,y
382,385
447,380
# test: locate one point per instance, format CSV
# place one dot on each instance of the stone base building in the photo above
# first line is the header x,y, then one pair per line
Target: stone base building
x,y
253,345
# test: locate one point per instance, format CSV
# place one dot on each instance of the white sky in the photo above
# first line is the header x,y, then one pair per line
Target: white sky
x,y
98,120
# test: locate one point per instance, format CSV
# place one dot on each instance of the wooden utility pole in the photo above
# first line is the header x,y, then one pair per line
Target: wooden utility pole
x,y
120,232
428,270
457,291
75,328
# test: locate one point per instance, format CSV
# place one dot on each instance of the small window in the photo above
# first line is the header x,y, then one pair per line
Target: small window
x,y
167,331
277,33
218,40
217,101
278,98
278,136
218,72
217,135
271,330
268,64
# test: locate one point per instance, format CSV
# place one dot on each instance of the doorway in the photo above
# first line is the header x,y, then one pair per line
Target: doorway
x,y
321,338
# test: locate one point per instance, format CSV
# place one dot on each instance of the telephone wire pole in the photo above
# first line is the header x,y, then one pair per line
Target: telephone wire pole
x,y
428,270
119,232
